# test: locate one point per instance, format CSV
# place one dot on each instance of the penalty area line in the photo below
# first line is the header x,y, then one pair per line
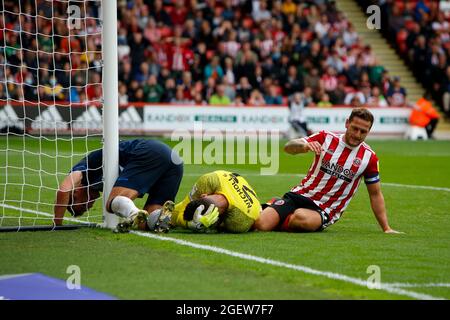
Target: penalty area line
x,y
304,269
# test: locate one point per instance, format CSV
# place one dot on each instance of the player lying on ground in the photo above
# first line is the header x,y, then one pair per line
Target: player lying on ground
x,y
146,167
219,201
333,178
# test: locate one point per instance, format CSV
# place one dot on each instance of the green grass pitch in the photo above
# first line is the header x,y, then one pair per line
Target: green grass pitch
x,y
128,266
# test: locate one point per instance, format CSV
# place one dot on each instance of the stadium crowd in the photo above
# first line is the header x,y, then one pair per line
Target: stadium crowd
x,y
420,31
229,52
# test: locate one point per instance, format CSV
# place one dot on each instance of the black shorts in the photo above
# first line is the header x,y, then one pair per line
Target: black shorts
x,y
150,169
292,201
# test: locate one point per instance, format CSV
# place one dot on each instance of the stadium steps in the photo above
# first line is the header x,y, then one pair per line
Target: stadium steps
x,y
389,58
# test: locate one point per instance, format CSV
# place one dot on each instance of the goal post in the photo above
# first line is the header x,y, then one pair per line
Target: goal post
x,y
110,106
58,103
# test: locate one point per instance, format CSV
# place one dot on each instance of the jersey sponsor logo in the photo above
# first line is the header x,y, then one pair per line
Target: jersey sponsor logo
x,y
243,192
338,171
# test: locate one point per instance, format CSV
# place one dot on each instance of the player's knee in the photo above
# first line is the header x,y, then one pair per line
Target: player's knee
x,y
303,222
262,225
267,221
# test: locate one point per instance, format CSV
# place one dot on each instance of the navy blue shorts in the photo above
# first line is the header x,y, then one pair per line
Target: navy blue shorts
x,y
151,167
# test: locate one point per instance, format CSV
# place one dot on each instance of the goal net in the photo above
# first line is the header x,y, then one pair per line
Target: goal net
x,y
51,103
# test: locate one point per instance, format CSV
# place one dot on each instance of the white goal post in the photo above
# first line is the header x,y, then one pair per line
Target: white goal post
x,y
58,80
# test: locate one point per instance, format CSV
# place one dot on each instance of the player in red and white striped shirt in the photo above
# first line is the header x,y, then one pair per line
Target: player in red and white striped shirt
x,y
341,161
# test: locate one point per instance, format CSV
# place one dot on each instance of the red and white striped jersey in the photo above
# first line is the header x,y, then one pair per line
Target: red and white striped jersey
x,y
333,178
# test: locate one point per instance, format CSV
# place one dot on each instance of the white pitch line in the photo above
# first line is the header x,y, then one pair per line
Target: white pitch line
x,y
419,285
413,186
38,213
330,275
391,288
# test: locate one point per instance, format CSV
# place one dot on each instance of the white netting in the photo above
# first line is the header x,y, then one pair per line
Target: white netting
x,y
50,102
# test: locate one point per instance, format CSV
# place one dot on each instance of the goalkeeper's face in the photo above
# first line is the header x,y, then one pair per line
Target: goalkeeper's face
x,y
83,200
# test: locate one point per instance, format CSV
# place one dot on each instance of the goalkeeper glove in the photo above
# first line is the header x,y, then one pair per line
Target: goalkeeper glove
x,y
202,222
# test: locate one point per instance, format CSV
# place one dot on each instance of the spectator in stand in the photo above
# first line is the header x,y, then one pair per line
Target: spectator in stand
x,y
198,99
273,97
169,90
288,7
229,89
352,95
312,80
214,69
244,89
292,82
153,92
93,90
219,98
337,97
329,80
123,96
238,102
325,101
179,97
335,61
143,73
209,89
396,94
376,99
138,46
229,71
350,36
256,98
376,72
159,13
355,71
308,98
139,96
366,91
259,11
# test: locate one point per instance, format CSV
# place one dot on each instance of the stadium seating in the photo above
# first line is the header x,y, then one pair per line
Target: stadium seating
x,y
182,39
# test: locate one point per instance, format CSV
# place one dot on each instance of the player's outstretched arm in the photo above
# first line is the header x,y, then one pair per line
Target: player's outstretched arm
x,y
296,146
378,207
63,195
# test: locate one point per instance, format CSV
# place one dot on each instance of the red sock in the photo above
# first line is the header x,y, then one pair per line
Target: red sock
x,y
285,224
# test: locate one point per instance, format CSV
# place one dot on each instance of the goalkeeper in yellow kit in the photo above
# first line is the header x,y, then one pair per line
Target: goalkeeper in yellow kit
x,y
219,200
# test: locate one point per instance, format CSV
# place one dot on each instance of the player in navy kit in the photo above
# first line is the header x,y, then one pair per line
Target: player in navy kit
x,y
146,167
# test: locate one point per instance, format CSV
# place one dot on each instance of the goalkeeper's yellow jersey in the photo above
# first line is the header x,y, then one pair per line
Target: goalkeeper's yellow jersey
x,y
240,195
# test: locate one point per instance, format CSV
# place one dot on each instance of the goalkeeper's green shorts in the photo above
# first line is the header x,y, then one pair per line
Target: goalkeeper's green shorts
x,y
237,222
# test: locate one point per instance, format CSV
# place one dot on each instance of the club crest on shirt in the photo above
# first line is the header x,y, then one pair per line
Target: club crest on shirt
x,y
279,202
357,162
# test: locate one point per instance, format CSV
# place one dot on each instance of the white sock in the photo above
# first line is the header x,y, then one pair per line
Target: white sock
x,y
123,206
